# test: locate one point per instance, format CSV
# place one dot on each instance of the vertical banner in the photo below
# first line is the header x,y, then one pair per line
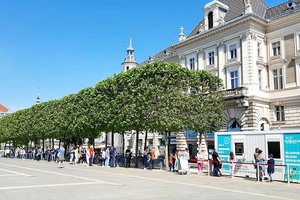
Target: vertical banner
x,y
292,154
224,149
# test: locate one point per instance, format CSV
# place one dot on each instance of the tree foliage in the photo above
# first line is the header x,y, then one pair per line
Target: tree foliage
x,y
158,97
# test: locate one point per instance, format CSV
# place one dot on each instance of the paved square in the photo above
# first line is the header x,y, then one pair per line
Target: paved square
x,y
27,179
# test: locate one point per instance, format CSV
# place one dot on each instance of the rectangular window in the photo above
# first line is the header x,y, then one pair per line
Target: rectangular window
x,y
234,79
278,79
260,78
232,51
211,58
259,49
274,148
279,111
239,149
276,48
192,64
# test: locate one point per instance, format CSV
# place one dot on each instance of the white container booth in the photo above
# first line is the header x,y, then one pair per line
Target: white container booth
x,y
283,144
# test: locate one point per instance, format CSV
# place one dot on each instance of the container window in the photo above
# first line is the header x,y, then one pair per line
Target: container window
x,y
274,148
239,149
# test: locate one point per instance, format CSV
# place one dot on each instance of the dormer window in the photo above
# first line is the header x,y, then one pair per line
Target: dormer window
x,y
210,20
215,12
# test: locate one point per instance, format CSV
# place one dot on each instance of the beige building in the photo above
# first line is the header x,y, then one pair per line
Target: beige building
x,y
255,50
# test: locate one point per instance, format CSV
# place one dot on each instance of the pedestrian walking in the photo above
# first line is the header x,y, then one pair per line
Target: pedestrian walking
x,y
61,156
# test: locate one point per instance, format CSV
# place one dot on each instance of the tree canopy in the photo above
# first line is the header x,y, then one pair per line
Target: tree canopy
x,y
158,96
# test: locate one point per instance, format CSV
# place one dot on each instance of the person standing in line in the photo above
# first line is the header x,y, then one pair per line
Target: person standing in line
x,y
92,154
260,160
231,160
255,161
176,156
152,157
87,156
71,155
107,157
171,162
112,155
200,160
103,157
76,153
128,155
216,163
145,158
61,156
271,167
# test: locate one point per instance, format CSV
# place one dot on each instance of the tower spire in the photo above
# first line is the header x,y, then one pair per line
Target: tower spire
x,y
129,61
181,34
130,43
38,100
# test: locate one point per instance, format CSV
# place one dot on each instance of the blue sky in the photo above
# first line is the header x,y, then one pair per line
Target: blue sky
x,y
59,47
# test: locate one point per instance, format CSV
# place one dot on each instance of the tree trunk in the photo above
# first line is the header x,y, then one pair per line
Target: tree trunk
x,y
167,151
49,142
112,139
43,144
52,142
146,138
136,149
105,140
123,141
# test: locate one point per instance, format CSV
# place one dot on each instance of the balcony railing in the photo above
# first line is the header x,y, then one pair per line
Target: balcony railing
x,y
236,93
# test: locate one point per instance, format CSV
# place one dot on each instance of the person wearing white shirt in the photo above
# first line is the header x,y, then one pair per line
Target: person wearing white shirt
x,y
231,160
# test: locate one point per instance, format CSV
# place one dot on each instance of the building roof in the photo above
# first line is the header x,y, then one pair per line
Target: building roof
x,y
3,108
282,10
236,9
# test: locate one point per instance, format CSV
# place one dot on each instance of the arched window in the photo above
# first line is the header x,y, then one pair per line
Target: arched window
x,y
210,19
233,125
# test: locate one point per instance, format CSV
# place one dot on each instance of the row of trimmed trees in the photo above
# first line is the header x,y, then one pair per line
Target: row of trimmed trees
x,y
158,97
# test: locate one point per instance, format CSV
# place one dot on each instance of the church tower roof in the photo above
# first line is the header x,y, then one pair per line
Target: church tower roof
x,y
130,61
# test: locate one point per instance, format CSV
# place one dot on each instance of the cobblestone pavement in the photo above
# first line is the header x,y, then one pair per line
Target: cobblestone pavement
x,y
32,180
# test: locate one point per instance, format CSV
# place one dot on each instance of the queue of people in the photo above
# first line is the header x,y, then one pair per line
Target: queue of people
x,y
261,165
106,157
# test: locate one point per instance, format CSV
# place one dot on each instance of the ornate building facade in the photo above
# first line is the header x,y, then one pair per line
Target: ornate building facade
x,y
255,50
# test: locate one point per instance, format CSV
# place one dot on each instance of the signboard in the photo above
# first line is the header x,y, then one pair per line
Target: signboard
x,y
224,149
210,135
292,154
190,134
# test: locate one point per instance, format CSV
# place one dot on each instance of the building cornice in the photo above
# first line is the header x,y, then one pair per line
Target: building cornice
x,y
249,18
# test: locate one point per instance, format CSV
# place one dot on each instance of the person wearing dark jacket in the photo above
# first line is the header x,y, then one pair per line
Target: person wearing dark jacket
x,y
271,167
